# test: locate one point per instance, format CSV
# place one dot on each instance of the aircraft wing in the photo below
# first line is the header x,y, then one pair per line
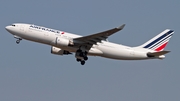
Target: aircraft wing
x,y
98,37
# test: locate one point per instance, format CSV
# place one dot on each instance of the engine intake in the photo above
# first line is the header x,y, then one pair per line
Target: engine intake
x,y
59,51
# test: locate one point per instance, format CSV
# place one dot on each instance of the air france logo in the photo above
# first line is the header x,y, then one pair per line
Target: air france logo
x,y
45,29
62,32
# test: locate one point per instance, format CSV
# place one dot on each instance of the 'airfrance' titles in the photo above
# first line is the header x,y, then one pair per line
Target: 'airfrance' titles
x,y
44,29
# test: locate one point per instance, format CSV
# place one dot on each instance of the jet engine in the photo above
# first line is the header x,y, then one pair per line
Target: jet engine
x,y
59,51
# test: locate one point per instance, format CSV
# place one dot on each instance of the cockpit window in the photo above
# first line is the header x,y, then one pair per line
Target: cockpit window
x,y
13,25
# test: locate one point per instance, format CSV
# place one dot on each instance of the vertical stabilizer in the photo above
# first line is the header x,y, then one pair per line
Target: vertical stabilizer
x,y
159,42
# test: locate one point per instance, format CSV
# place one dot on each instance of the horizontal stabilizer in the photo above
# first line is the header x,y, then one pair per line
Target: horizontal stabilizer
x,y
157,53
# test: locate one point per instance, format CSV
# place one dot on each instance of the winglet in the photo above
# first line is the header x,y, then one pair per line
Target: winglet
x,y
121,27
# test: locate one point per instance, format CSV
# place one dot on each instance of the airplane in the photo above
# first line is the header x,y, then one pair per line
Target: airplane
x,y
64,43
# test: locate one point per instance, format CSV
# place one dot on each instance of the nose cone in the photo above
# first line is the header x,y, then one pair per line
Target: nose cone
x,y
8,28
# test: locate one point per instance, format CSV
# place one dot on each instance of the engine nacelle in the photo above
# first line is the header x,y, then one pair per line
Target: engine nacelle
x,y
63,42
59,51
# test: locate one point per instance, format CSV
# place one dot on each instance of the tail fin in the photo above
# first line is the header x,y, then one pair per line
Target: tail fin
x,y
159,42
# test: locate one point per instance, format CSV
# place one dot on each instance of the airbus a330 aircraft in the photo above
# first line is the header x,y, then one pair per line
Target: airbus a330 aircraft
x,y
64,43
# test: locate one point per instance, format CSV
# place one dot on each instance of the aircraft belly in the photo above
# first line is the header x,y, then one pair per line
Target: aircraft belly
x,y
92,51
95,51
122,53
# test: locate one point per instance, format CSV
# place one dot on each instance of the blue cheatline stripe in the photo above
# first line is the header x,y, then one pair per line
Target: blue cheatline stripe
x,y
165,41
160,44
164,35
160,41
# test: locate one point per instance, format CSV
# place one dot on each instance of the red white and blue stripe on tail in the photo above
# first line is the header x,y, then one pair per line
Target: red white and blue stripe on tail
x,y
159,42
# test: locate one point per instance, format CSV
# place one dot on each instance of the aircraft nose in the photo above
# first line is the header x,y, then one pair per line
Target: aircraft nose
x,y
7,28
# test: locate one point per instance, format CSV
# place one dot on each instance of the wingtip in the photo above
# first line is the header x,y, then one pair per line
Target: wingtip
x,y
121,27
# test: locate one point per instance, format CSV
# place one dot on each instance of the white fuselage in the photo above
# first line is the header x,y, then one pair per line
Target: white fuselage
x,y
103,49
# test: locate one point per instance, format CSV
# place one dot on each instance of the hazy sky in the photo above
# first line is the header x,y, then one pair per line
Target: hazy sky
x,y
29,72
